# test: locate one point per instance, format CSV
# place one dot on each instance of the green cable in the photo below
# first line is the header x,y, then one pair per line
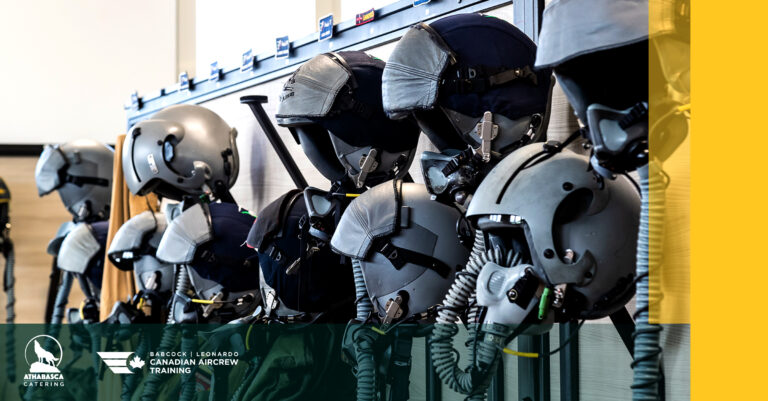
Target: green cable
x,y
544,303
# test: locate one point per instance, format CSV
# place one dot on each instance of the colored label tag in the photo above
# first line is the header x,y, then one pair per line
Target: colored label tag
x,y
135,102
325,26
282,47
184,81
247,63
215,72
366,17
417,3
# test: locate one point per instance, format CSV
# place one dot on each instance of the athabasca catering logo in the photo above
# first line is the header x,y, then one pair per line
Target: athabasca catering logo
x,y
43,355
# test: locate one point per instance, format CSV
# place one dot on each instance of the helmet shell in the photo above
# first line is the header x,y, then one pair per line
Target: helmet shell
x,y
579,229
424,226
61,166
333,106
449,73
180,151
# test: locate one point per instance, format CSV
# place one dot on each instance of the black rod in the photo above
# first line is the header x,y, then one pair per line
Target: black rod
x,y
255,103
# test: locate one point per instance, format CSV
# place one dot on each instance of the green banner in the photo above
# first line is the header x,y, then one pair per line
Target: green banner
x,y
174,362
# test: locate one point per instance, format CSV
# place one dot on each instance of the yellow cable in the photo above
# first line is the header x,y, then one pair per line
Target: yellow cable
x,y
378,330
521,354
141,304
685,107
203,301
248,335
351,195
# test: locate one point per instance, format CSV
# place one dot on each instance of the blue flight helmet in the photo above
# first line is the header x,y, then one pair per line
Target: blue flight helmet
x,y
468,79
333,106
602,53
449,73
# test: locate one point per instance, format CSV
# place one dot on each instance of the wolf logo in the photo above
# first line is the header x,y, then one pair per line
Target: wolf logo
x,y
44,356
42,360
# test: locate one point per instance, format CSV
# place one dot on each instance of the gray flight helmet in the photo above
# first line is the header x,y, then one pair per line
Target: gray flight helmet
x,y
332,106
81,172
407,245
580,230
181,150
134,247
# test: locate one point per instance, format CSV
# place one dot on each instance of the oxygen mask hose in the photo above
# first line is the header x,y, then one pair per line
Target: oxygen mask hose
x,y
132,381
647,357
484,354
10,315
363,339
188,347
168,339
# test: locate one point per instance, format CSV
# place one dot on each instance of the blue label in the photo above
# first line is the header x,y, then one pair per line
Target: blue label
x,y
247,63
135,100
326,27
282,47
420,2
184,81
215,72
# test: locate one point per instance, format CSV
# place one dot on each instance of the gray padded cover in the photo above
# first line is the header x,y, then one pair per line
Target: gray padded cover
x,y
55,244
77,250
370,216
47,169
183,235
312,89
427,227
576,27
412,74
132,233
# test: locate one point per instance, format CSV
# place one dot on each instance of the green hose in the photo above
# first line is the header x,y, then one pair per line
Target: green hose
x,y
647,357
485,352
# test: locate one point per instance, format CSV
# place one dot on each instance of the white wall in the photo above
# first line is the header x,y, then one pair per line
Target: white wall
x,y
67,67
227,28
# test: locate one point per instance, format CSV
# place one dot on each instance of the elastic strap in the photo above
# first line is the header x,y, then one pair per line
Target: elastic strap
x,y
479,79
399,257
83,180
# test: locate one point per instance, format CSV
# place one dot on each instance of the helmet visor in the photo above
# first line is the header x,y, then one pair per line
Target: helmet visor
x,y
47,177
311,91
412,74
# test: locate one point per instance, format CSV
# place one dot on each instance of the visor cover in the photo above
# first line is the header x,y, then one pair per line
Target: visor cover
x,y
572,28
412,74
47,177
312,89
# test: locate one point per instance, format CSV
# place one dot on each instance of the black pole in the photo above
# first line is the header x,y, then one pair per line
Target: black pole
x,y
53,287
625,326
569,361
255,103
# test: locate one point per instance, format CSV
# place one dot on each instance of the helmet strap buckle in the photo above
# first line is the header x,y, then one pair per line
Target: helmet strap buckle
x,y
487,131
368,164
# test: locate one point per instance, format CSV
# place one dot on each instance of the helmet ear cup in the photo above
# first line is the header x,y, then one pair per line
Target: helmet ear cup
x,y
316,144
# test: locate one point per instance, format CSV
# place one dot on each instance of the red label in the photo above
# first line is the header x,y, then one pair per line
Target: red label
x,y
364,18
